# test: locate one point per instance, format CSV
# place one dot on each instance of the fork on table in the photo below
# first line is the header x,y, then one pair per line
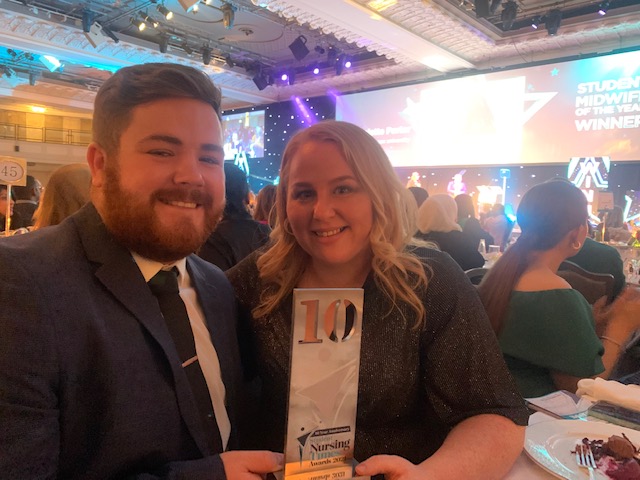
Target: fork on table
x,y
584,458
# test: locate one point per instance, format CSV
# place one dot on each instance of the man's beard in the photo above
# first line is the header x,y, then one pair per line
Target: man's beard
x,y
135,223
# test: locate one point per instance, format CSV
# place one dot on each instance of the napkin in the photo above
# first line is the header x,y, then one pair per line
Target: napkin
x,y
611,391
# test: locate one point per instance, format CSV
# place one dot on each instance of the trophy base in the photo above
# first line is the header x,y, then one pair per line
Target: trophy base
x,y
345,472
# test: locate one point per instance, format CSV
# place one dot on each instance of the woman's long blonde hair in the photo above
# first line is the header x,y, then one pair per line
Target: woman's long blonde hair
x,y
397,273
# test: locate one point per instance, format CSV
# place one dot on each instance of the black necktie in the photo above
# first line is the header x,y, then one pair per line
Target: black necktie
x,y
164,286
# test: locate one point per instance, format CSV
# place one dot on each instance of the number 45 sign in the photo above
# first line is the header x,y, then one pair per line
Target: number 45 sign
x,y
13,171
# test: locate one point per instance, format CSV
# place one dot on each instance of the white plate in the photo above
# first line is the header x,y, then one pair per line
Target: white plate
x,y
550,443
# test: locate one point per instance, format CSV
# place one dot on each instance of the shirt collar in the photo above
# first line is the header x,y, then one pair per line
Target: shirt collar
x,y
149,268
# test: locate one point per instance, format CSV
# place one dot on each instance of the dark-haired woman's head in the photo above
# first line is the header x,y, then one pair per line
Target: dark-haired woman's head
x,y
465,206
549,211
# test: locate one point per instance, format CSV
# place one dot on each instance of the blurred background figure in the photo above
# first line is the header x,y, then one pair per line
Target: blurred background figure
x,y
499,226
264,211
414,180
67,191
27,198
469,223
237,234
420,194
4,200
614,226
437,223
456,186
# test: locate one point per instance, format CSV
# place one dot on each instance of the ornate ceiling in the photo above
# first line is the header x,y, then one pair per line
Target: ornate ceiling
x,y
246,43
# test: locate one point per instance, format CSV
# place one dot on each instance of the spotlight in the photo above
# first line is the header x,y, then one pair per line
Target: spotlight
x,y
229,61
206,55
260,77
481,8
195,9
299,47
316,69
341,63
228,15
603,7
552,21
151,21
284,77
347,64
493,7
508,15
292,76
139,23
110,34
165,12
8,71
319,50
332,53
535,22
163,44
12,53
188,4
33,77
187,49
51,62
87,20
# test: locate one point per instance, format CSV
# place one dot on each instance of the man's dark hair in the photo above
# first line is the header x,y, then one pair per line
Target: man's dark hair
x,y
24,192
132,86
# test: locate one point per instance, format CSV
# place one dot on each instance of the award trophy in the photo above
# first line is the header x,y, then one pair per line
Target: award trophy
x,y
323,390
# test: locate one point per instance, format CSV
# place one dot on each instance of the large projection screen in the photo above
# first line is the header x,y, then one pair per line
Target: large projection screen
x,y
534,115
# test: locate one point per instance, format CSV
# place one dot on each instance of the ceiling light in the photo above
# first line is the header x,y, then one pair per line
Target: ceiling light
x,y
165,12
332,54
341,63
229,61
8,71
206,55
163,44
51,62
228,15
603,7
299,47
316,69
139,23
260,76
380,5
493,7
188,5
535,22
552,21
291,76
482,8
195,9
33,77
87,20
110,34
508,15
151,21
38,109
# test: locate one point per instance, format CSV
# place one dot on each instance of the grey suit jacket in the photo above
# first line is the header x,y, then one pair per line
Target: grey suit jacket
x,y
90,382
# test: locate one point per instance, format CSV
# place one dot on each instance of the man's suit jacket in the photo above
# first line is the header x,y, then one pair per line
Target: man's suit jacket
x,y
91,385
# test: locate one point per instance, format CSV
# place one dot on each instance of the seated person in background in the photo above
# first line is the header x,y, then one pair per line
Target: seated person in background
x,y
264,211
433,393
436,223
498,226
420,194
468,221
67,191
615,228
597,257
237,234
15,218
27,198
547,330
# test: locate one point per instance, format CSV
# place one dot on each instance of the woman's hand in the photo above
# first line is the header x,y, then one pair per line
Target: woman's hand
x,y
393,468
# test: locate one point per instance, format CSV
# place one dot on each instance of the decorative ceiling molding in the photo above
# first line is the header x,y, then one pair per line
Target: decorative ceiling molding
x,y
355,23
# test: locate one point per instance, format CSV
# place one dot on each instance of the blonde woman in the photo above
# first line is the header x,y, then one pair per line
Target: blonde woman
x,y
67,191
434,394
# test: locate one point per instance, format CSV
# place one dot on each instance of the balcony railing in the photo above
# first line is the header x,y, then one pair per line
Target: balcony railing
x,y
60,136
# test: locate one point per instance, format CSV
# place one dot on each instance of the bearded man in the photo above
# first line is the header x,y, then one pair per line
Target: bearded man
x,y
101,374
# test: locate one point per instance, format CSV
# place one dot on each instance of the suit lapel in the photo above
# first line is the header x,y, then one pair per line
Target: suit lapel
x,y
118,272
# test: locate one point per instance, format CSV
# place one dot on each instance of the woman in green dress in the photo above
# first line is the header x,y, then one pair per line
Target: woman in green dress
x,y
547,330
